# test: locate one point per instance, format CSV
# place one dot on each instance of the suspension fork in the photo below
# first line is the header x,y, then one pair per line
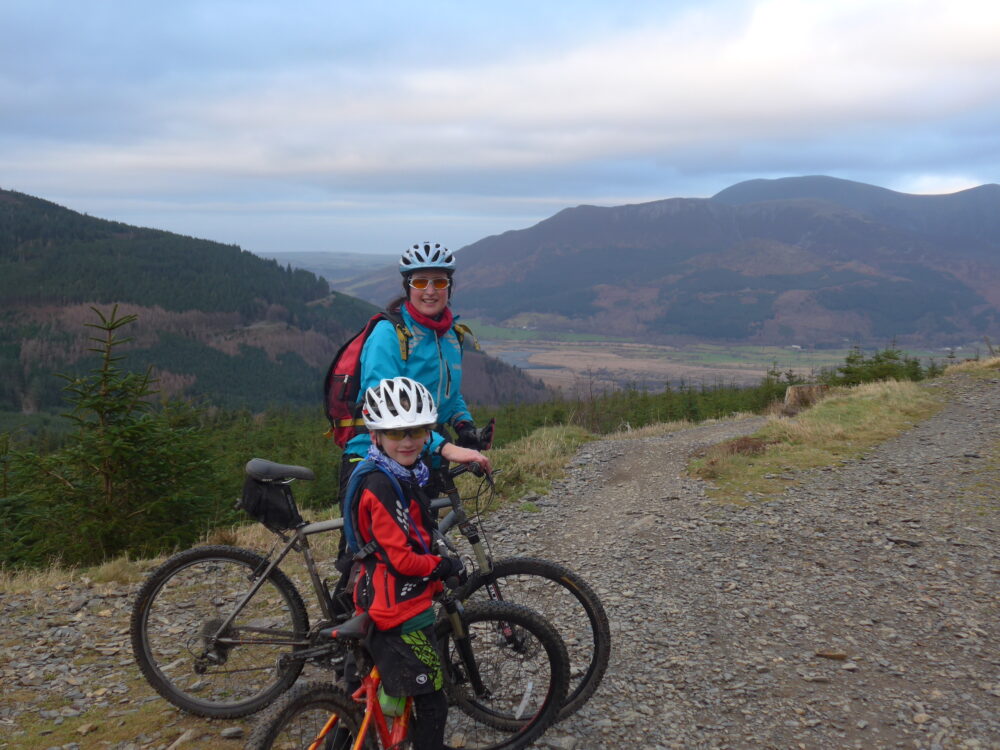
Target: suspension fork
x,y
464,646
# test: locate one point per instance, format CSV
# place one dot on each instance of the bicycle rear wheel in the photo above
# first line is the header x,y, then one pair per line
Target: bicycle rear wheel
x,y
564,599
176,620
305,712
523,664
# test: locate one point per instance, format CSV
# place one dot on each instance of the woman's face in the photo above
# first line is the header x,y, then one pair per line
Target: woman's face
x,y
406,449
429,301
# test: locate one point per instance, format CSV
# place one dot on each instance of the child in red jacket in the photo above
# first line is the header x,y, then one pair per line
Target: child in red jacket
x,y
402,574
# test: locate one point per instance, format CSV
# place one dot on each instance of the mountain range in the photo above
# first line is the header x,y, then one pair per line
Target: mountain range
x,y
800,260
216,323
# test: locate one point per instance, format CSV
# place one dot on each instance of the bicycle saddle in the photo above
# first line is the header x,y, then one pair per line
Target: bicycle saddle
x,y
268,471
356,627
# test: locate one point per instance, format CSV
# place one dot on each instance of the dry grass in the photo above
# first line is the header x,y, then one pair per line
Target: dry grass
x,y
25,581
977,367
529,465
843,425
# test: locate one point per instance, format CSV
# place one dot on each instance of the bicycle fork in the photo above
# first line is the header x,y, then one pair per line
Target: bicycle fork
x,y
464,647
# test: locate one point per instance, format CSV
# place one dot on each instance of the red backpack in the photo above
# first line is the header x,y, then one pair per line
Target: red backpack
x,y
342,383
343,378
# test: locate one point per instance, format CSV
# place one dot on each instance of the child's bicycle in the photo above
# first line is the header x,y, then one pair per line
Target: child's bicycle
x,y
221,631
505,669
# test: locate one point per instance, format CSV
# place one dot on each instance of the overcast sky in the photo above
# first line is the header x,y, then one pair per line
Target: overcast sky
x,y
342,126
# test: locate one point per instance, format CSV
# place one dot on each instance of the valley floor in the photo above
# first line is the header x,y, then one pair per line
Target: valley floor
x,y
579,367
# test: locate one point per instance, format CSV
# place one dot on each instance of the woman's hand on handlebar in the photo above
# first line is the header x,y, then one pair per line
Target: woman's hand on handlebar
x,y
458,455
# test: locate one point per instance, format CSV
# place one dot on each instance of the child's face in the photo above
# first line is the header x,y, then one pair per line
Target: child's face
x,y
403,446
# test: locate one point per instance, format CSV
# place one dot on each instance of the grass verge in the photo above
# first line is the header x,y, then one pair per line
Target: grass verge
x,y
528,466
984,368
842,426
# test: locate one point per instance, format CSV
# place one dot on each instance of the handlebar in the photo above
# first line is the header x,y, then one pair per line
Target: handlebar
x,y
473,468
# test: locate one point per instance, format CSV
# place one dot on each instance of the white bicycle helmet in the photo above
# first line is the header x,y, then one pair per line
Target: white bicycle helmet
x,y
426,255
398,403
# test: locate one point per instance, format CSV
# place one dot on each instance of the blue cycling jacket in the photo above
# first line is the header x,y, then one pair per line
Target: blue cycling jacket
x,y
434,362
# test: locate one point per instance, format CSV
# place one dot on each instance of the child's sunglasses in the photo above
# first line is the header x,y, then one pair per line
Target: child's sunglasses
x,y
417,433
421,283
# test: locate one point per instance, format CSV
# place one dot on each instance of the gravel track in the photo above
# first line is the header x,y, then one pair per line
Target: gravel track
x,y
859,609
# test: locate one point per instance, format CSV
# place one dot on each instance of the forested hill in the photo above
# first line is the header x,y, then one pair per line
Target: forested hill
x,y
215,322
49,254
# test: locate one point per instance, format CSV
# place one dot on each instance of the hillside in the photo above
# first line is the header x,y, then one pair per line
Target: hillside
x,y
215,322
808,261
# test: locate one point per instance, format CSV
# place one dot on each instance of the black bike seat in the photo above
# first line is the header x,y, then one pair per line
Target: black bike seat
x,y
264,470
356,627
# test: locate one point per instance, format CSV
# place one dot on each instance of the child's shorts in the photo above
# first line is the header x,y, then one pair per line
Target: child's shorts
x,y
408,663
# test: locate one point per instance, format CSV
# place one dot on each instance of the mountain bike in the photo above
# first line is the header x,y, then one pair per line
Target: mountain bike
x,y
210,626
505,669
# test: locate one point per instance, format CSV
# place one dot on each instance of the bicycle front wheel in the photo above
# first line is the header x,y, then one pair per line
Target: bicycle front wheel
x,y
564,599
522,664
188,659
307,713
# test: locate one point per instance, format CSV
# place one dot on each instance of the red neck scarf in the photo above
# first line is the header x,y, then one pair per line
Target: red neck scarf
x,y
439,326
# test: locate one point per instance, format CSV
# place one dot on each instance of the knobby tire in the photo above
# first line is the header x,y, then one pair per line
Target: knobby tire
x,y
187,598
558,594
299,715
522,661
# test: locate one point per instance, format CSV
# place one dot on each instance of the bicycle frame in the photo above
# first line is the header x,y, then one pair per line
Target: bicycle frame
x,y
392,736
458,517
466,526
298,541
368,694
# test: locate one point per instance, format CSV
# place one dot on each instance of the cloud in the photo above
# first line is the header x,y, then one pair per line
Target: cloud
x,y
786,71
338,108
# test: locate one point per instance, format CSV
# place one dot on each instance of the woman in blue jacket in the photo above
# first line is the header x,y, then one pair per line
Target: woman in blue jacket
x,y
434,357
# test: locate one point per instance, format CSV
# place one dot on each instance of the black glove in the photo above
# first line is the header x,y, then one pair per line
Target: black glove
x,y
451,571
470,437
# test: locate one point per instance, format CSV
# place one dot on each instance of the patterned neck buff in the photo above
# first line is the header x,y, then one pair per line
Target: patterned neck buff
x,y
419,474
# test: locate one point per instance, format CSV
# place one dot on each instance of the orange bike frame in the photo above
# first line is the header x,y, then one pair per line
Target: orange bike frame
x,y
368,694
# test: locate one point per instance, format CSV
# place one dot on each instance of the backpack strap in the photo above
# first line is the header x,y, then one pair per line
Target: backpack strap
x,y
403,334
461,331
349,510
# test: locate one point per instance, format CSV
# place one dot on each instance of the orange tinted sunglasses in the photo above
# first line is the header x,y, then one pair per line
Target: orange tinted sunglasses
x,y
422,283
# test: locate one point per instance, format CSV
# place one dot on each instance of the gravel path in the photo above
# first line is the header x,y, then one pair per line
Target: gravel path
x,y
860,609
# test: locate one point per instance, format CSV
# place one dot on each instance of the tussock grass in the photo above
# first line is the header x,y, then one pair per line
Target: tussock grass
x,y
16,581
121,570
977,367
843,425
529,465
